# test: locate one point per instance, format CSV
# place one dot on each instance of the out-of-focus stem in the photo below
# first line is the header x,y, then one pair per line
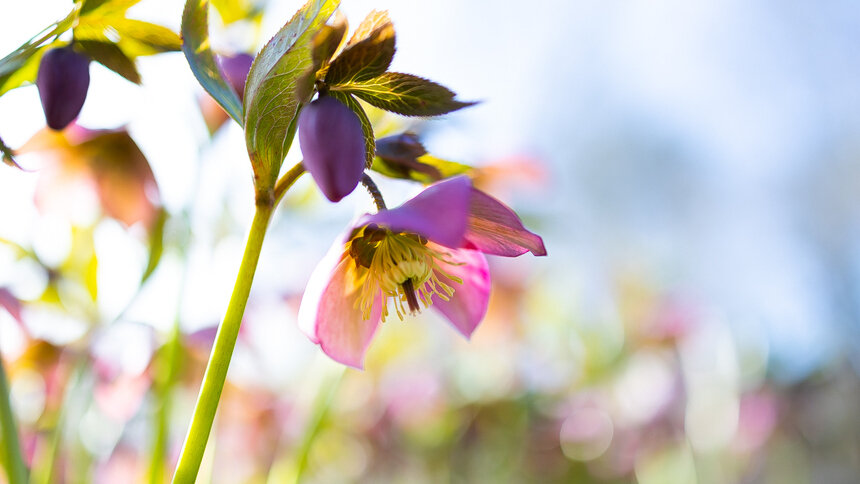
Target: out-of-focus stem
x,y
13,460
287,181
222,352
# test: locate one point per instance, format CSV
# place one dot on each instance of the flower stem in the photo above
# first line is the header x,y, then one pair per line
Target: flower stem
x,y
373,190
12,459
222,351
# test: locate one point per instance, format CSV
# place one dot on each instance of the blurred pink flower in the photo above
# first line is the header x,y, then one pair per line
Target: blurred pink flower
x,y
427,252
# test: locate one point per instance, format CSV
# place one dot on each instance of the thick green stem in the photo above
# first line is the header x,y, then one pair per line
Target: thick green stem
x,y
222,351
12,459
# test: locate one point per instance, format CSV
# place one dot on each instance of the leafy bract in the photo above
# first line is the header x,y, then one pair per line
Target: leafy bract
x,y
364,59
374,20
276,90
195,33
111,56
366,126
404,94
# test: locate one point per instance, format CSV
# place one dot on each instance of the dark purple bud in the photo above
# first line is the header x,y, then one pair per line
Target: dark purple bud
x,y
63,80
235,70
401,152
333,146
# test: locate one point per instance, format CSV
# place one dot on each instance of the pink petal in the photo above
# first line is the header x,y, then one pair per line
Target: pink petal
x,y
495,229
468,305
439,213
328,312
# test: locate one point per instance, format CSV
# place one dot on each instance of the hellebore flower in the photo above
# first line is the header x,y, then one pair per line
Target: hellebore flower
x,y
427,252
63,80
332,144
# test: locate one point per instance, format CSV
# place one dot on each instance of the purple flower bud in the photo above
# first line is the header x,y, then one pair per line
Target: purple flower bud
x,y
235,70
63,80
332,143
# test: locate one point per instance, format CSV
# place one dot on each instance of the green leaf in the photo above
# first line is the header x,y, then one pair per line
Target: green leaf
x,y
8,155
405,94
277,88
366,126
22,58
234,10
374,20
111,56
156,244
195,32
364,59
139,38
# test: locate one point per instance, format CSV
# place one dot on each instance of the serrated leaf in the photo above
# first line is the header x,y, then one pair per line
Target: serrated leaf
x,y
21,59
366,126
364,59
405,94
195,33
111,56
276,90
327,40
374,20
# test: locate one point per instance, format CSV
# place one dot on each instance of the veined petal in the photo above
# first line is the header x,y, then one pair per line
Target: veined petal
x,y
329,314
439,213
495,229
467,307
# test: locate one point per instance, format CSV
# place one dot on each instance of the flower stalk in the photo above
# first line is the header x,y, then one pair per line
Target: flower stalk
x,y
225,339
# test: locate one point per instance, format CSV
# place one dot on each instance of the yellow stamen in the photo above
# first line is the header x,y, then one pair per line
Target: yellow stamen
x,y
400,266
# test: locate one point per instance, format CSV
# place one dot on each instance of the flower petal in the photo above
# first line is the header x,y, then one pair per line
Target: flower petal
x,y
439,213
329,315
495,229
468,305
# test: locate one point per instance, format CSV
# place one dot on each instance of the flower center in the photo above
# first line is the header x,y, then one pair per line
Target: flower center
x,y
402,267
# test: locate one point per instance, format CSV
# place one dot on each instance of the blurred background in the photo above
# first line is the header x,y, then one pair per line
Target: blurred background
x,y
694,169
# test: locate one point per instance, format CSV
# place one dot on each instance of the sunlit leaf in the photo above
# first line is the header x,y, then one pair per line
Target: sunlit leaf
x,y
139,38
405,94
106,7
365,59
195,34
111,56
366,126
22,59
274,92
373,21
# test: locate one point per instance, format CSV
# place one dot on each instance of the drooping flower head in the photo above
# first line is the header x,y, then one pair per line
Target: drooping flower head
x,y
63,80
332,144
235,68
429,252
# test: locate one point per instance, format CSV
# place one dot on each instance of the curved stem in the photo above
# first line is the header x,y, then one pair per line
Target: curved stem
x,y
12,458
373,190
222,352
287,181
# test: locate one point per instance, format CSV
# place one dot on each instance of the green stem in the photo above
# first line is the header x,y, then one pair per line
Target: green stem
x,y
12,459
287,181
222,351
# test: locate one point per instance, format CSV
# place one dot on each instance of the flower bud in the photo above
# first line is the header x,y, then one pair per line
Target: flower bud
x,y
235,70
63,80
332,143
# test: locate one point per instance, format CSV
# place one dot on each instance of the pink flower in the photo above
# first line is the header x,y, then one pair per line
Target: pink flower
x,y
429,252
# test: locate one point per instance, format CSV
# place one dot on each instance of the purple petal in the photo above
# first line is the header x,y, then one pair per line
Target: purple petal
x,y
495,229
329,315
439,213
332,143
468,305
63,80
235,70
